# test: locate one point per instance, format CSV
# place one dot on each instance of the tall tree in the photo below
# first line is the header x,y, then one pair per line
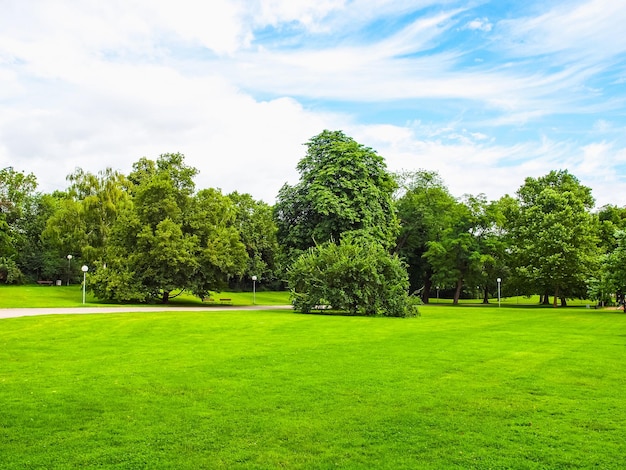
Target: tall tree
x,y
424,208
255,222
553,234
18,203
455,254
490,257
169,238
344,187
86,214
613,274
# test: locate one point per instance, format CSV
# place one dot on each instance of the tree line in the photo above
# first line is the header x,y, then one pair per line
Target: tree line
x,y
349,234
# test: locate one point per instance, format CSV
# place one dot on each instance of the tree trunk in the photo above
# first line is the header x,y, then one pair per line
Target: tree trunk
x,y
457,292
485,295
556,297
166,297
426,292
545,299
563,302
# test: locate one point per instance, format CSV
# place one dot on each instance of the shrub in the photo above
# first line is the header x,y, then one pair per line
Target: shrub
x,y
357,276
9,272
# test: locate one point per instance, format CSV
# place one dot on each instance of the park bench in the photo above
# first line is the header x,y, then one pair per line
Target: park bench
x,y
226,301
45,283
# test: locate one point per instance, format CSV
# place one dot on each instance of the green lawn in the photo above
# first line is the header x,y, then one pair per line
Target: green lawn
x,y
464,387
72,296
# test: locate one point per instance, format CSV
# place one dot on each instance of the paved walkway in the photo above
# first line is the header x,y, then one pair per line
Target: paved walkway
x,y
29,312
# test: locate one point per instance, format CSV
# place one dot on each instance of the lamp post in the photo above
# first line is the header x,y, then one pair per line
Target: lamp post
x,y
499,282
84,269
253,290
437,294
69,268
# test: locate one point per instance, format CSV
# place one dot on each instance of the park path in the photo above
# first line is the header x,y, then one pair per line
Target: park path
x,y
30,312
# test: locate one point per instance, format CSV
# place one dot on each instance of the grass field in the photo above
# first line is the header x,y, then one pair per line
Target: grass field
x,y
468,387
72,296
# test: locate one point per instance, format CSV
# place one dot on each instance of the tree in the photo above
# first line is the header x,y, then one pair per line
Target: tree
x,y
455,254
38,258
86,214
553,235
220,252
17,207
610,219
490,257
168,238
255,222
357,275
424,209
613,279
344,187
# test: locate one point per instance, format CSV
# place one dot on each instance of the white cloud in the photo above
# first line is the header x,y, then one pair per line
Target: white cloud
x,y
479,24
585,29
97,84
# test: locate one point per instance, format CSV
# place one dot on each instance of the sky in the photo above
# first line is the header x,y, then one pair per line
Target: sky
x,y
486,93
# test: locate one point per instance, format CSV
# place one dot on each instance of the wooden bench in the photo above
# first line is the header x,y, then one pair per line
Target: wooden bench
x,y
226,301
45,283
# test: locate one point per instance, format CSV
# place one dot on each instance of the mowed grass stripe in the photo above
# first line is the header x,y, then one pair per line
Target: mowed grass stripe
x,y
458,387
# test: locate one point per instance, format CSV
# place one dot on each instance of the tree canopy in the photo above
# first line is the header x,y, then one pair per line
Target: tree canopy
x,y
553,235
151,234
344,187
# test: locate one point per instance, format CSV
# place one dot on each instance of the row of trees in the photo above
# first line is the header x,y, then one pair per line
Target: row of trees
x,y
348,234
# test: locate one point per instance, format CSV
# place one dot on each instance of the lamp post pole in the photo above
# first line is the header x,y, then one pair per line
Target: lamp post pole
x,y
253,290
84,269
499,282
69,268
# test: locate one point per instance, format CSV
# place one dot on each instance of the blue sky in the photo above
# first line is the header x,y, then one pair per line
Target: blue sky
x,y
484,92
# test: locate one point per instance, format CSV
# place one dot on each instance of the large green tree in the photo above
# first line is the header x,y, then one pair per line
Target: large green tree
x,y
553,235
424,208
344,187
257,228
168,238
489,261
86,212
455,254
19,204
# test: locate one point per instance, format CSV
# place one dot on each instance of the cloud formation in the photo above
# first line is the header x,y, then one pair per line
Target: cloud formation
x,y
485,96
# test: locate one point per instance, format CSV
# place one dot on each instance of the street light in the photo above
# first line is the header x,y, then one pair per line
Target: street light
x,y
69,268
84,270
437,294
253,290
499,282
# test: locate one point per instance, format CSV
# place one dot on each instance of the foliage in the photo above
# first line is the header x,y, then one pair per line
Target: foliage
x,y
357,276
255,222
167,238
454,254
610,220
344,187
9,271
423,210
553,235
17,210
614,268
83,219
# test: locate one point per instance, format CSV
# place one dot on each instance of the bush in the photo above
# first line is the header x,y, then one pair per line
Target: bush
x,y
9,272
356,276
